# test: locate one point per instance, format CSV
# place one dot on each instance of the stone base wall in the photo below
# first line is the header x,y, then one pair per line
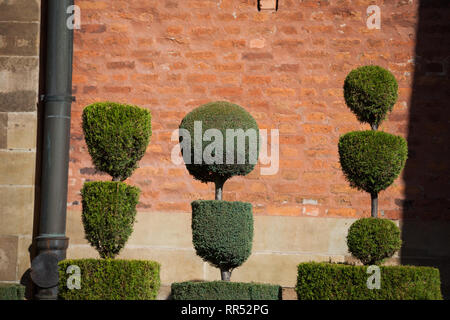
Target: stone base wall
x,y
279,244
19,80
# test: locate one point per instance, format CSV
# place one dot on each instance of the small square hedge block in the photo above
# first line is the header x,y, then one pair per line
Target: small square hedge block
x,y
107,279
12,291
224,290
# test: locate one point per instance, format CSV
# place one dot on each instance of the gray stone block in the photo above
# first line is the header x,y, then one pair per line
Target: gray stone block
x,y
20,10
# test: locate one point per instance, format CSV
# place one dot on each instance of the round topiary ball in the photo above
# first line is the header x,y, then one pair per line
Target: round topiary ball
x,y
234,132
370,92
372,240
372,160
222,232
117,136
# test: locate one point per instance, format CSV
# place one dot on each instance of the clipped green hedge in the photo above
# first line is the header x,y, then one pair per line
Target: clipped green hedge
x,y
370,92
109,211
221,115
372,160
328,281
12,291
117,136
224,290
106,279
222,232
372,240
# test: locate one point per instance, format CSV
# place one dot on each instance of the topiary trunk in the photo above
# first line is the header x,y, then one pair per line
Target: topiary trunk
x,y
374,198
219,188
225,274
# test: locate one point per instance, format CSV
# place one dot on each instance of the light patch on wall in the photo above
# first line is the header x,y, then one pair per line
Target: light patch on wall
x,y
267,5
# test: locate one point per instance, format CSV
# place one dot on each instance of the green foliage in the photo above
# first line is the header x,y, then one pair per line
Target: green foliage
x,y
222,232
222,115
111,280
372,240
224,290
117,136
372,160
109,210
327,281
370,92
12,291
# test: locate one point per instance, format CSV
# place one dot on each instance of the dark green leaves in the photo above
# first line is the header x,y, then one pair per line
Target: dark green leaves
x,y
329,281
372,240
224,290
372,160
109,210
10,291
370,92
117,136
221,115
111,280
222,232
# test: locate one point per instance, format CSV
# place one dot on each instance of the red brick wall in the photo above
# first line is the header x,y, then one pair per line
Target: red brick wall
x,y
286,68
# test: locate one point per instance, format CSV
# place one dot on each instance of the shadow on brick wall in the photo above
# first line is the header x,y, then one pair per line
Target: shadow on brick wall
x,y
426,224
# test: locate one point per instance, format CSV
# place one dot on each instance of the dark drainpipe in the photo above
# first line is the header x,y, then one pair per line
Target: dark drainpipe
x,y
51,242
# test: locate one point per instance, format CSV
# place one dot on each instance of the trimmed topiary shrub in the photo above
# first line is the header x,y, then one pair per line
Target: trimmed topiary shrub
x,y
108,279
220,140
117,136
372,160
370,92
372,240
109,211
12,291
222,232
221,116
328,281
223,290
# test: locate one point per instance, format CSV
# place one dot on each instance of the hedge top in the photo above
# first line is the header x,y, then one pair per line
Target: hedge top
x,y
107,279
221,115
224,290
370,92
329,281
372,160
117,136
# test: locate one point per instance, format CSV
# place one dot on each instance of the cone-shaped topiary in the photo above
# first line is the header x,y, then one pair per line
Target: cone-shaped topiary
x,y
234,147
372,160
370,92
117,136
220,140
109,210
372,240
222,232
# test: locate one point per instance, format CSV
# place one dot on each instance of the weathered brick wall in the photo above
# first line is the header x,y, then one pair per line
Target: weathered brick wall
x,y
286,68
19,78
